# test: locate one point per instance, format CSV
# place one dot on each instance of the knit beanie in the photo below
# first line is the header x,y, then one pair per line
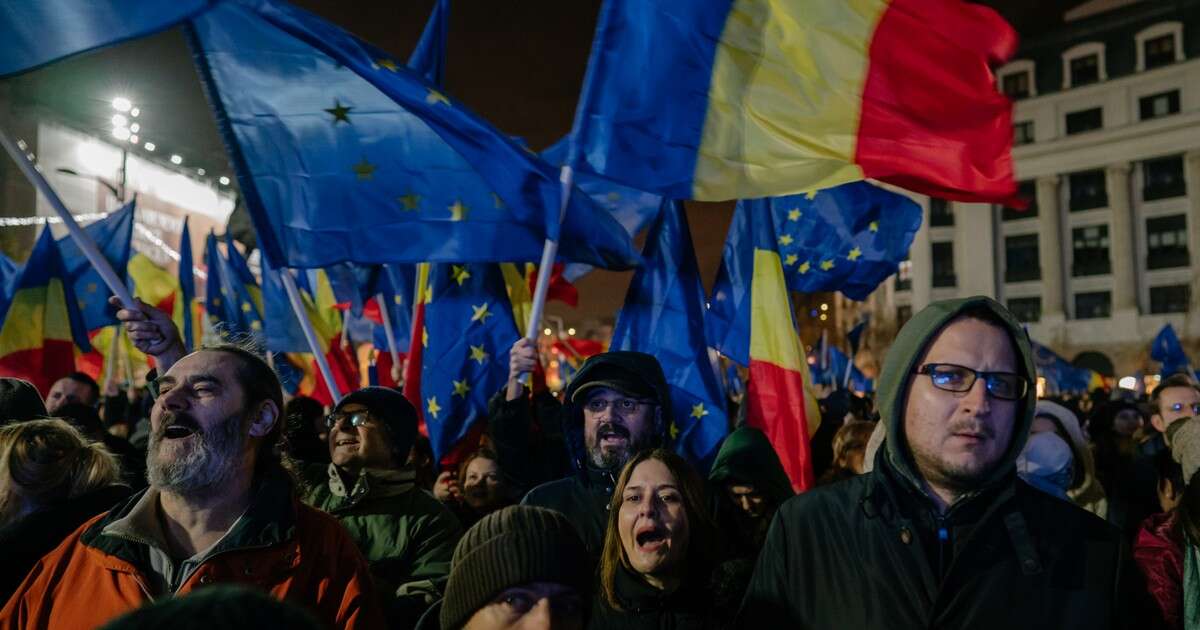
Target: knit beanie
x,y
1184,436
391,408
509,547
19,401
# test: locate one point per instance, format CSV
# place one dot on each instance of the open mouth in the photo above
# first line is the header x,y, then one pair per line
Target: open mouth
x,y
651,539
177,432
345,442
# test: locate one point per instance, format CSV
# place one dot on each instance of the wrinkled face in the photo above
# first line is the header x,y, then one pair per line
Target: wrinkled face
x,y
652,521
198,426
532,606
615,426
482,486
748,499
364,446
1174,403
68,391
957,438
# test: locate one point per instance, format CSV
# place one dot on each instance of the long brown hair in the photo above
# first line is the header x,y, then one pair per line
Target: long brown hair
x,y
46,461
702,532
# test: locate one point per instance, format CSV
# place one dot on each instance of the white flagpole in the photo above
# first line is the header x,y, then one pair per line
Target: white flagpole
x,y
384,312
289,284
85,242
545,269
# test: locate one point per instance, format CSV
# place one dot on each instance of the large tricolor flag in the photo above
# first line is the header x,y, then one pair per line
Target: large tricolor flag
x,y
35,338
753,325
739,99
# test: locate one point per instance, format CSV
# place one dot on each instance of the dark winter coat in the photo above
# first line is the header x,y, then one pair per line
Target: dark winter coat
x,y
644,607
874,552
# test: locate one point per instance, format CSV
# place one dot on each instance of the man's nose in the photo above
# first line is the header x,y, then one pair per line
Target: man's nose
x,y
173,399
977,399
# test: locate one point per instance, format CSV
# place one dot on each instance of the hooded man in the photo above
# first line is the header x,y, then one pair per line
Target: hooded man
x,y
941,533
617,405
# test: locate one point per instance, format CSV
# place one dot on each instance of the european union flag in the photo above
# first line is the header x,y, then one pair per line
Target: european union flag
x,y
229,305
1060,375
37,33
663,316
241,274
342,154
282,331
833,372
85,288
398,286
187,285
428,59
1168,351
469,327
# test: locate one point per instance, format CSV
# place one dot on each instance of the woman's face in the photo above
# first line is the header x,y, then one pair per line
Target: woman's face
x,y
482,485
652,521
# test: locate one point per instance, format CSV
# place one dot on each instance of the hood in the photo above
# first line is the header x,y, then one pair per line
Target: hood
x,y
747,456
904,357
608,366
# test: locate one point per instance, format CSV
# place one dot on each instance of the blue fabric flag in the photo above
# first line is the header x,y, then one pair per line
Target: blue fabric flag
x,y
663,316
1167,350
241,275
187,285
632,208
228,303
9,272
114,238
849,238
398,288
728,321
428,59
315,120
470,329
282,331
38,32
832,371
855,334
1060,375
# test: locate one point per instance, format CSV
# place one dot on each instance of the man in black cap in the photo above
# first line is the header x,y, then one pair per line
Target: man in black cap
x,y
407,535
19,401
617,405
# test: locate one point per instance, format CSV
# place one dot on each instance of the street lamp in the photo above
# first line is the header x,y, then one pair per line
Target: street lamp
x,y
122,104
176,159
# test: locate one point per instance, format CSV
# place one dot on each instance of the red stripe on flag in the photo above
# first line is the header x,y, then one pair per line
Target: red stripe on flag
x,y
776,406
949,118
412,367
41,366
344,367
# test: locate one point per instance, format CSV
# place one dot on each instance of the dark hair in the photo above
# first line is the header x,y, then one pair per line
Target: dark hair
x,y
83,379
1167,469
259,384
702,532
1174,380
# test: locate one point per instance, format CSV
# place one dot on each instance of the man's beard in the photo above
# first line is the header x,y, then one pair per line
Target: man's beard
x,y
197,468
615,458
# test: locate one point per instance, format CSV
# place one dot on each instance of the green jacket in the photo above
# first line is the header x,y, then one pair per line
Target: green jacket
x,y
407,536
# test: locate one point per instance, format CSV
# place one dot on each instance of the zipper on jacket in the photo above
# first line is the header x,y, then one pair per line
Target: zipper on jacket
x,y
943,535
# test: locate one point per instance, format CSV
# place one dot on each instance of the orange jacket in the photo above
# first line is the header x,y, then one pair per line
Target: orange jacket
x,y
293,551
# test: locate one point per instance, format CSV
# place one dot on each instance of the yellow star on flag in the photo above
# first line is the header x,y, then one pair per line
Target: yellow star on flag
x,y
790,260
804,267
433,407
794,214
386,64
674,430
364,169
480,313
91,287
340,112
424,337
461,388
409,202
459,273
477,354
854,254
216,301
786,239
435,97
497,201
458,211
256,325
874,226
698,411
826,265
246,307
812,194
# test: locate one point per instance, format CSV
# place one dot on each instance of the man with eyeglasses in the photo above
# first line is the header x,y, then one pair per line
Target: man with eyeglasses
x,y
1176,398
942,533
407,535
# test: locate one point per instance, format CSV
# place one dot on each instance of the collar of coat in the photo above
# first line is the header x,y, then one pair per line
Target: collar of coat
x,y
376,483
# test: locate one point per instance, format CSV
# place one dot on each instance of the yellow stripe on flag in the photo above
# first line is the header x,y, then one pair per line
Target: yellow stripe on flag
x,y
518,293
35,314
153,284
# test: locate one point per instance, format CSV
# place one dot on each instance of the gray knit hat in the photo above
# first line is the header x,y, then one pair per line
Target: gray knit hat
x,y
19,401
1184,436
509,547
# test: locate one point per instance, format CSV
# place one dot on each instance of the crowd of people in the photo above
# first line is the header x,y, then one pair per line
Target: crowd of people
x,y
954,498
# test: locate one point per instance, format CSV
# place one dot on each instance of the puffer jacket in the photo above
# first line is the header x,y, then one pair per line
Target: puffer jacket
x,y
285,548
873,551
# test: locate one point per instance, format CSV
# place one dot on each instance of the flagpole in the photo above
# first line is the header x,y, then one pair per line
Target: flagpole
x,y
566,178
289,285
384,307
849,366
85,242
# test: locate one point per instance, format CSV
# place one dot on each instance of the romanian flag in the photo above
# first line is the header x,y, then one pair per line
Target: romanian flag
x,y
739,99
416,348
154,286
756,329
35,338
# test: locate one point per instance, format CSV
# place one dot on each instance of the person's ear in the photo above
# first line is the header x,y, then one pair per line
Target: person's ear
x,y
1159,423
264,419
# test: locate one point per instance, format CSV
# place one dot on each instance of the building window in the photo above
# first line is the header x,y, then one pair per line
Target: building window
x,y
1026,190
1159,51
1163,178
1093,305
1026,310
1016,85
1170,299
1090,247
943,265
903,314
1021,258
1085,70
1159,105
940,214
1166,242
1087,190
1023,133
1086,120
904,275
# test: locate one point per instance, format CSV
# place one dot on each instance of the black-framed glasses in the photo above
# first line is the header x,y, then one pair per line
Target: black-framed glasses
x,y
1178,407
958,378
620,405
356,419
